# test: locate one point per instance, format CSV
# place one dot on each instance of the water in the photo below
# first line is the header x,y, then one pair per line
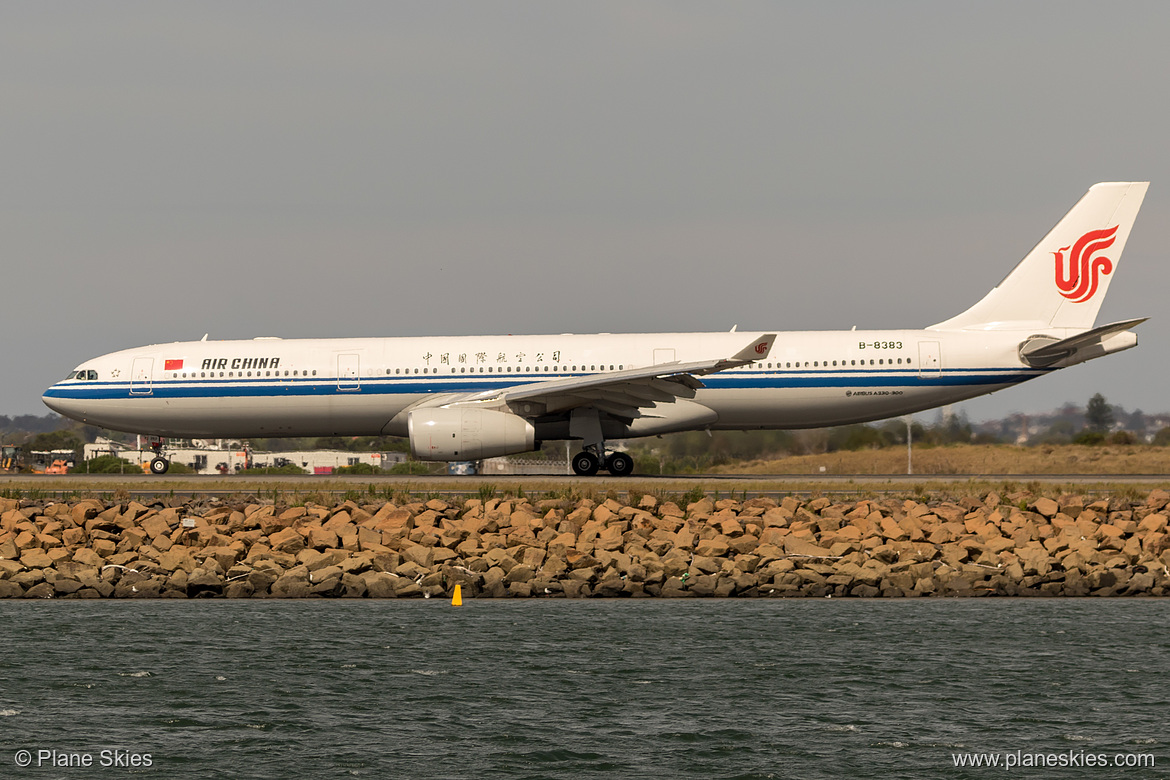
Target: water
x,y
583,689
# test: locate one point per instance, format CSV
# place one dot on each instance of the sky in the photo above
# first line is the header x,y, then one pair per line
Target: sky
x,y
418,168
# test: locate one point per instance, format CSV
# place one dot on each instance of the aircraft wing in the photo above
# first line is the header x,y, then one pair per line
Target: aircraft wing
x,y
621,393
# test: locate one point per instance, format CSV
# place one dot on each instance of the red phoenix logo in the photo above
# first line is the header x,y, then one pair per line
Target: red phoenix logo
x,y
1077,279
761,348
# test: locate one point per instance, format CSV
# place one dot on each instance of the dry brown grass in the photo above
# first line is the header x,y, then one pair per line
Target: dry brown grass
x,y
977,459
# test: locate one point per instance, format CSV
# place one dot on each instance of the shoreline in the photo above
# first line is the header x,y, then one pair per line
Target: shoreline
x,y
975,545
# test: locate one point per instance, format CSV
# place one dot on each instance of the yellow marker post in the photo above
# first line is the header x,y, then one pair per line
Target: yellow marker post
x,y
457,598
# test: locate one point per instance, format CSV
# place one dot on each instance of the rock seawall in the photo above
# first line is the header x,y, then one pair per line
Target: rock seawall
x,y
973,546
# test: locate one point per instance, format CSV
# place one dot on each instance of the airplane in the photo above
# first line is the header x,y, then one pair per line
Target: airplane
x,y
471,397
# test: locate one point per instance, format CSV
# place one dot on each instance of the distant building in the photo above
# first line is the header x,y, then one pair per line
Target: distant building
x,y
231,457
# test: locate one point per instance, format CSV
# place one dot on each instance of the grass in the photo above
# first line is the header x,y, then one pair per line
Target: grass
x,y
970,459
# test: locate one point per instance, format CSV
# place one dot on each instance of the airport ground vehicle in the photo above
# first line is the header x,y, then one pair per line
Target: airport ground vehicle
x,y
11,459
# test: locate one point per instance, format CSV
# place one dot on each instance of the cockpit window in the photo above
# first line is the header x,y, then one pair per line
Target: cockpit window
x,y
72,375
91,374
83,375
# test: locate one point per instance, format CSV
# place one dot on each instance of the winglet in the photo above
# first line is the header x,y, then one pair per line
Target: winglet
x,y
757,350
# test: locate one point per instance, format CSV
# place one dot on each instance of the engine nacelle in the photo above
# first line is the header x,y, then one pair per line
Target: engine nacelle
x,y
464,433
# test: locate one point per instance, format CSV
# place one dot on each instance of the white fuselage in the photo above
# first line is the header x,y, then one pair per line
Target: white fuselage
x,y
318,387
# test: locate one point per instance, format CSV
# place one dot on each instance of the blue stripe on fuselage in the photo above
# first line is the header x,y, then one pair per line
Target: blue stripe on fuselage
x,y
740,380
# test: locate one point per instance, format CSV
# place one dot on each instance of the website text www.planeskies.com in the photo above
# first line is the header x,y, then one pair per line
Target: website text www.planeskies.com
x,y
1066,759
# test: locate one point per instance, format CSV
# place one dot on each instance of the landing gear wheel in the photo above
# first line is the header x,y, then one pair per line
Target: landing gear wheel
x,y
585,464
159,466
619,464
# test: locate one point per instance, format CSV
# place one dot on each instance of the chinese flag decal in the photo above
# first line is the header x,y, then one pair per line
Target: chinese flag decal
x,y
172,365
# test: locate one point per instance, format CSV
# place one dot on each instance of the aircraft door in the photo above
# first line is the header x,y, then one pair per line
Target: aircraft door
x,y
348,373
141,376
929,360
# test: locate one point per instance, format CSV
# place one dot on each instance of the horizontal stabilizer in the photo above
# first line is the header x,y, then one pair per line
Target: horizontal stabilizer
x,y
1044,351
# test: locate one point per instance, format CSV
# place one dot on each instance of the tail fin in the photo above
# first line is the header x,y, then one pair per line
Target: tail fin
x,y
1063,280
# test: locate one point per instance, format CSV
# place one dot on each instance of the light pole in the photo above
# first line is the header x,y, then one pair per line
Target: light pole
x,y
909,445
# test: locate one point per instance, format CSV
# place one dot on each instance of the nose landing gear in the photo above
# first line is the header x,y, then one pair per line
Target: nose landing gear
x,y
159,464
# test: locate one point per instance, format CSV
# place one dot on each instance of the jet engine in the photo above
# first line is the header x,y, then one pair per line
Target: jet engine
x,y
464,433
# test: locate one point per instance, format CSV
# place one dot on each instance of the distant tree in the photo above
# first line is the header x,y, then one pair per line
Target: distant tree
x,y
1162,437
1060,432
57,440
107,464
1099,414
854,437
358,468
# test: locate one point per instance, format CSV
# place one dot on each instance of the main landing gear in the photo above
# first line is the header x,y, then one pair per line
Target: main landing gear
x,y
586,424
618,464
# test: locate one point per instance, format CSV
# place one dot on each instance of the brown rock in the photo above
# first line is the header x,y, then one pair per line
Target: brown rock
x,y
155,526
422,556
36,558
797,546
41,590
716,548
177,558
202,583
323,538
292,584
10,590
287,540
379,584
1046,507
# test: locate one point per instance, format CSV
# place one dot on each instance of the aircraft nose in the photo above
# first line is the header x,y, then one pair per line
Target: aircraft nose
x,y
69,407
